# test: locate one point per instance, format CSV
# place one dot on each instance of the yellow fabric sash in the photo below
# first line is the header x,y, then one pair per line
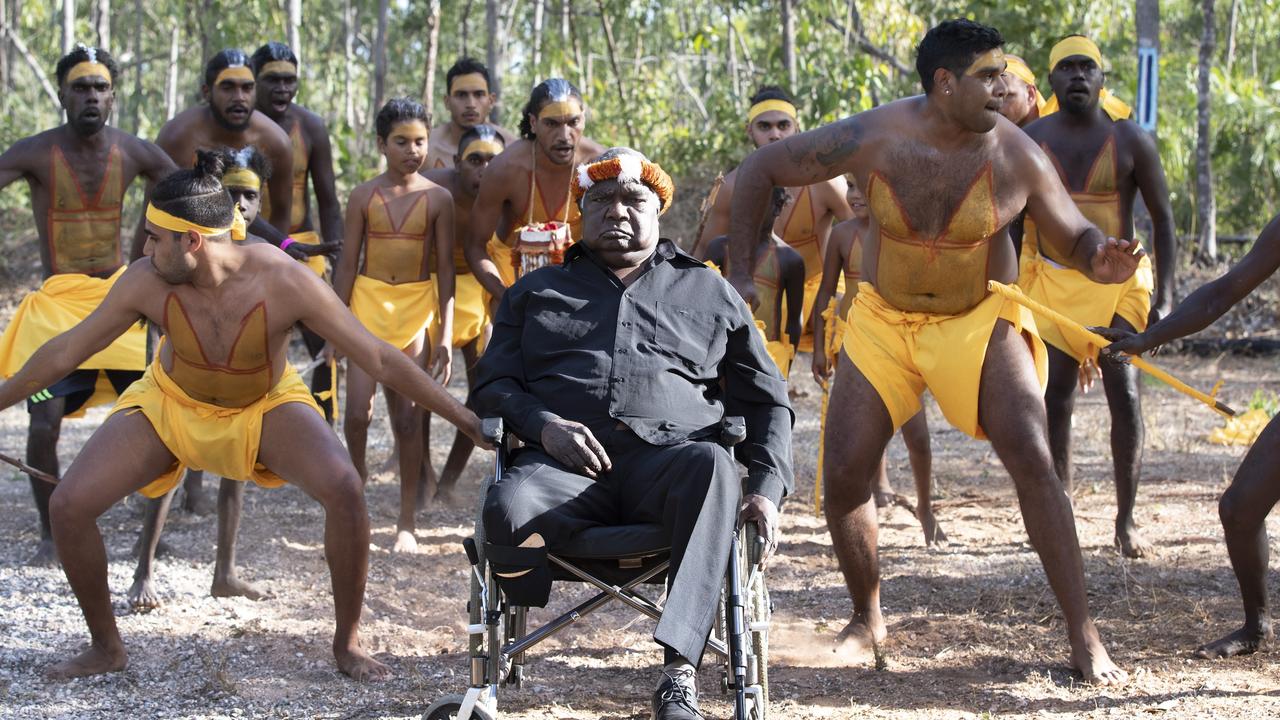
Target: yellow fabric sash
x,y
1019,69
470,309
315,262
397,314
500,254
60,304
174,223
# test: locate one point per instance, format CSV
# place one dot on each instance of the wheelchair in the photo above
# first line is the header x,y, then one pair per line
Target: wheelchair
x,y
616,561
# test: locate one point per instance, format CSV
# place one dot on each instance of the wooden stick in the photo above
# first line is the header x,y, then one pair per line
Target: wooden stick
x,y
1139,362
37,474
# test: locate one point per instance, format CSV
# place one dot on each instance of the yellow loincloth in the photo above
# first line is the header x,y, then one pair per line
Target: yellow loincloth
x,y
315,262
220,440
1091,304
59,305
811,286
500,254
781,352
901,353
470,309
395,313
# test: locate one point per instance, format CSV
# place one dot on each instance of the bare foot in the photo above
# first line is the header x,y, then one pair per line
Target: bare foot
x,y
94,661
360,666
1245,641
861,635
46,554
405,542
1095,665
232,586
933,534
142,595
1132,544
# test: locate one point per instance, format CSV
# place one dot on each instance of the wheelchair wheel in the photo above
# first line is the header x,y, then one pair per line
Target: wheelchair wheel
x,y
447,707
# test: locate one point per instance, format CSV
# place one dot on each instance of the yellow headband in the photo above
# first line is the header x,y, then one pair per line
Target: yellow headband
x,y
234,72
1018,68
765,106
241,178
279,67
1074,45
560,108
174,223
469,82
480,145
88,68
627,167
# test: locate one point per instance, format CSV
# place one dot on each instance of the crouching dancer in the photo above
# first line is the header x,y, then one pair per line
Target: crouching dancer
x,y
220,396
616,367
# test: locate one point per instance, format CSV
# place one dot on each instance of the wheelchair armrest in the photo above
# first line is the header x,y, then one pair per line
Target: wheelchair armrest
x,y
733,430
491,428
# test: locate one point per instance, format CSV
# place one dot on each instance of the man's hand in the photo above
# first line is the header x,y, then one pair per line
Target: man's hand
x,y
746,287
1122,341
573,444
764,513
325,248
441,363
330,353
1115,261
474,432
822,369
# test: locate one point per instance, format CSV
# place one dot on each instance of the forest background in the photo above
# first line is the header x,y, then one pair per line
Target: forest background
x,y
672,77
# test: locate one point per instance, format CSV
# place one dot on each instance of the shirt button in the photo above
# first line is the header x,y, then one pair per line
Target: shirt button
x,y
622,351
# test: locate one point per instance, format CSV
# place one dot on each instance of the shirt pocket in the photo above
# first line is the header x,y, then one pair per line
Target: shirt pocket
x,y
689,334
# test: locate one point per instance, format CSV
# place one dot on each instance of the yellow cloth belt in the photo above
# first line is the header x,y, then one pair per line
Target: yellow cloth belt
x,y
1086,302
470,309
780,351
500,254
220,440
397,314
59,305
317,263
901,353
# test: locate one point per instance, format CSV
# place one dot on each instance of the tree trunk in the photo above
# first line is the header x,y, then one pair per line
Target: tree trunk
x,y
171,89
627,113
135,104
493,51
564,22
789,43
295,27
537,35
466,32
433,49
1206,209
732,55
380,57
35,65
349,48
1232,21
6,80
68,25
103,27
584,70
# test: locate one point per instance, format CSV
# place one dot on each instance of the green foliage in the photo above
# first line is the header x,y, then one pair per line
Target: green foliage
x,y
1268,402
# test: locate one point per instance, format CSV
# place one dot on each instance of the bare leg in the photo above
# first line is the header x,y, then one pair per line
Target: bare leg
x,y
1243,508
43,428
884,491
142,594
460,452
298,446
915,434
406,425
321,380
427,480
1010,410
1060,403
194,498
359,413
123,456
855,443
1124,400
226,583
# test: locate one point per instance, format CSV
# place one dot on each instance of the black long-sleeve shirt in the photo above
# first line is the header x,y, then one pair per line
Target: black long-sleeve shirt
x,y
668,356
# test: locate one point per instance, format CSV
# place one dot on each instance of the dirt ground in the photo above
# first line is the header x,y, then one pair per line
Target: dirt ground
x,y
974,629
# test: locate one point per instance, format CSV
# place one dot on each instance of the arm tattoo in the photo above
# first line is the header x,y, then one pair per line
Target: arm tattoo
x,y
844,142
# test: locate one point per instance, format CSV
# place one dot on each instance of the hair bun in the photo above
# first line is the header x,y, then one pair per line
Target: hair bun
x,y
209,163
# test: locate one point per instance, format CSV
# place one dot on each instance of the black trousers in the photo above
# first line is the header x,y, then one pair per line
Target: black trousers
x,y
692,489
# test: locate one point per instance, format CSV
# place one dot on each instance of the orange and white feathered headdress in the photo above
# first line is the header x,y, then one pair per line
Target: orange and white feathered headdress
x,y
625,166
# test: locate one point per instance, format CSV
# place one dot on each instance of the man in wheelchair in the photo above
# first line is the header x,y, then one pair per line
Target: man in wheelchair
x,y
615,368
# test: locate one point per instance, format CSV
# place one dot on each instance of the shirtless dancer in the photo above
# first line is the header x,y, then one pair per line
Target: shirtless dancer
x,y
393,223
221,396
227,119
77,173
844,260
1104,160
811,210
275,73
477,148
943,174
1023,102
529,182
245,173
469,102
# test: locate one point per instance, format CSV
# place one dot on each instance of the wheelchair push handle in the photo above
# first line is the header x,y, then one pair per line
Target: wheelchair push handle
x,y
733,430
491,428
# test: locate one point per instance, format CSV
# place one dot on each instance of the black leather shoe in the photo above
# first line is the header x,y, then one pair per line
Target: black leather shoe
x,y
677,696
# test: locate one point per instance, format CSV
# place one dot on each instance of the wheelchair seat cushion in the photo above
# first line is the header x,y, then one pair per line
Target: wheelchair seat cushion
x,y
616,541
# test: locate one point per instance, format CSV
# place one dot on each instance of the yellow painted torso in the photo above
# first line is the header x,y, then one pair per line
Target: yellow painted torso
x,y
538,212
298,206
852,276
243,379
799,230
84,234
943,274
394,252
1098,199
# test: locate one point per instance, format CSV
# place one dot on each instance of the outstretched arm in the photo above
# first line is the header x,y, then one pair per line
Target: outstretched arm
x,y
64,353
325,315
1149,174
1211,300
803,159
